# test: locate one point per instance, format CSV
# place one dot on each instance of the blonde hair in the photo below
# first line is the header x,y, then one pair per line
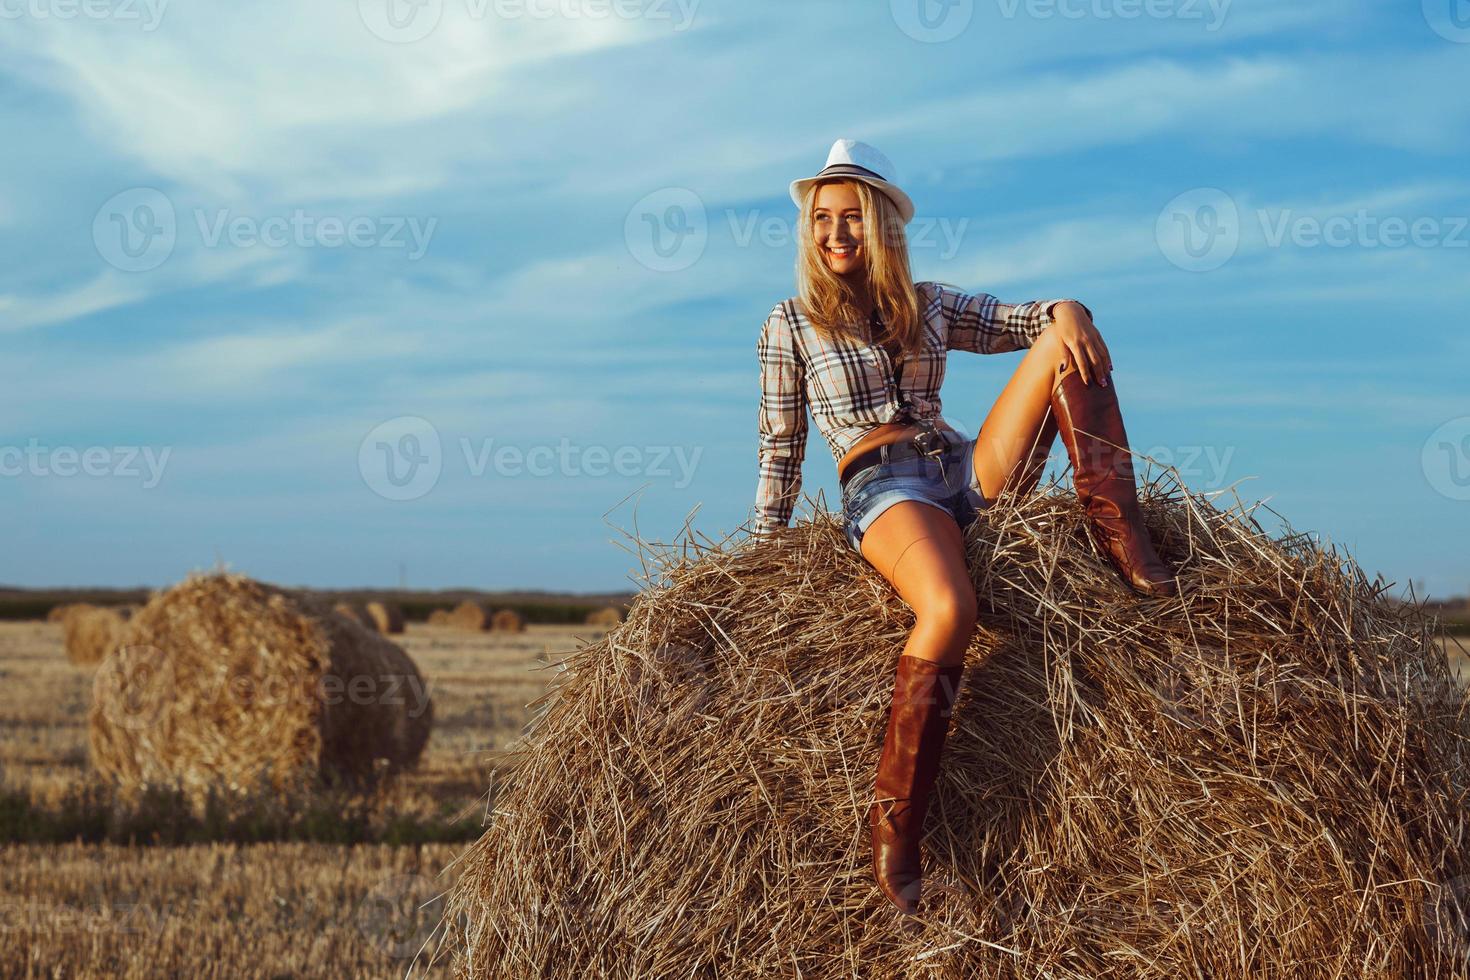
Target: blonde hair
x,y
827,299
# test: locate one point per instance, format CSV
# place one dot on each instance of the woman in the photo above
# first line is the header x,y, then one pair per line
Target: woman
x,y
863,347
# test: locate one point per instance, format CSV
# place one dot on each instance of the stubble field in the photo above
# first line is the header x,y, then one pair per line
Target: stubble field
x,y
293,907
277,908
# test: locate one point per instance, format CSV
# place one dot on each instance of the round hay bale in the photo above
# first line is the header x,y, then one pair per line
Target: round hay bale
x,y
470,615
1267,776
90,633
357,612
606,616
508,621
441,617
223,681
57,613
386,617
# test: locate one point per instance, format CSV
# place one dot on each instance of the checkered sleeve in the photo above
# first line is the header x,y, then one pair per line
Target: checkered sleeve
x,y
782,423
982,324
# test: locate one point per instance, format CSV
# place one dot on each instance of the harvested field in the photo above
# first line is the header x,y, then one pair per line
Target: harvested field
x,y
271,909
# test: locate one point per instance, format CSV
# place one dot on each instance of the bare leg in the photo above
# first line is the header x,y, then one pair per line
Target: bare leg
x,y
919,550
1009,433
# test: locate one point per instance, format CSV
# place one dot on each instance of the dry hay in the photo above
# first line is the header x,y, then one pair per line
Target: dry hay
x,y
57,613
508,621
90,633
606,616
223,681
358,613
470,615
386,617
441,617
1266,778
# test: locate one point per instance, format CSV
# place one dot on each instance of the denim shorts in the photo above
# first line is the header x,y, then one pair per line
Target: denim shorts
x,y
946,481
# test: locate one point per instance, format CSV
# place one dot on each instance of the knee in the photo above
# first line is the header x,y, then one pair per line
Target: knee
x,y
953,612
1047,342
1049,349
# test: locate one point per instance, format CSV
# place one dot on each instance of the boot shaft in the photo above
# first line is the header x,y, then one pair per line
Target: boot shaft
x,y
1090,423
1091,426
918,723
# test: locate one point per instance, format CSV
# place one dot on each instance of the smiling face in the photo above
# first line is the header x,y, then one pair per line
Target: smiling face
x,y
837,228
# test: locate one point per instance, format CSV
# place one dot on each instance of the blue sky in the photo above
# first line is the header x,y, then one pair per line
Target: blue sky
x,y
279,281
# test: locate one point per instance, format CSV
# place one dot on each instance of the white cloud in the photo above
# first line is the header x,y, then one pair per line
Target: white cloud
x,y
103,291
302,97
111,289
1355,96
1119,250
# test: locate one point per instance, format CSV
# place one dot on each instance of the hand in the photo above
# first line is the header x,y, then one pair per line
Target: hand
x,y
1083,343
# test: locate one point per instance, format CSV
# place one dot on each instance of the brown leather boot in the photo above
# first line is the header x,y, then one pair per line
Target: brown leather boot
x,y
1102,471
918,724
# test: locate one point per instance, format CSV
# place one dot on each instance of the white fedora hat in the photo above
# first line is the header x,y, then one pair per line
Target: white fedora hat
x,y
851,158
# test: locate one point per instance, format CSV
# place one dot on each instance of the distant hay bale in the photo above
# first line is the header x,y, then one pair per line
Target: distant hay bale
x,y
386,616
441,617
357,612
1266,777
223,681
606,616
90,633
508,621
57,613
470,615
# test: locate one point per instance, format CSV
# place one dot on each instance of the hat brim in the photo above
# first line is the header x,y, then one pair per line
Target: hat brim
x,y
905,206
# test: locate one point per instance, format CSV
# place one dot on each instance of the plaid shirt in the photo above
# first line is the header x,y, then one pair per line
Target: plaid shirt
x,y
849,386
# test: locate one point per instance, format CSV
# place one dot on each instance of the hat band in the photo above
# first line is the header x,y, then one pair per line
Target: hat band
x,y
852,169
